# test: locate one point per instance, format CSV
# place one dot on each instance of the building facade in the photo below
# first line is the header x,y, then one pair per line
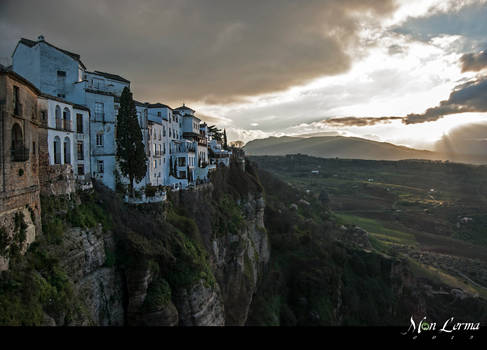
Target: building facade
x,y
19,165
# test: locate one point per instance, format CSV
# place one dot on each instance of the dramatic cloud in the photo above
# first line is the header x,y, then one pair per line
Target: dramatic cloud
x,y
474,62
464,18
468,97
356,121
211,50
468,139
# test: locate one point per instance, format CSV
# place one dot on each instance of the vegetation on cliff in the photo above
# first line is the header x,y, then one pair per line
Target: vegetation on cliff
x,y
315,279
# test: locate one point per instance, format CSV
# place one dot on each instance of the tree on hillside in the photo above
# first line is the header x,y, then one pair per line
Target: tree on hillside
x,y
225,145
237,144
130,147
217,133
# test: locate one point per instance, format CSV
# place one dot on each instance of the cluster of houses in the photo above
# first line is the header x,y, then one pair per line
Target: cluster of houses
x,y
77,112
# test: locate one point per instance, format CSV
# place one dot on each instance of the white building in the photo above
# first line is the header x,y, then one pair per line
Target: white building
x,y
68,137
61,73
176,143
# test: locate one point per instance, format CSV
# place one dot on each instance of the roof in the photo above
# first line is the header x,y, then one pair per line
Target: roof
x,y
158,105
19,78
59,99
183,107
98,92
31,43
111,76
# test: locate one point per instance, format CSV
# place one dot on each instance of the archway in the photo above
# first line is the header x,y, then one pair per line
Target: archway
x,y
67,150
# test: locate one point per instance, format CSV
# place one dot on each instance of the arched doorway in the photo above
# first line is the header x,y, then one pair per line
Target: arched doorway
x,y
57,150
67,150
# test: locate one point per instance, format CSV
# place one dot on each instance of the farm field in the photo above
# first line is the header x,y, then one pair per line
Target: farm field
x,y
433,213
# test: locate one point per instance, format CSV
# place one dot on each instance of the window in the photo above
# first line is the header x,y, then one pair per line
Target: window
x,y
17,105
99,112
33,148
100,166
99,140
154,163
158,114
43,115
61,82
164,131
80,151
79,123
81,169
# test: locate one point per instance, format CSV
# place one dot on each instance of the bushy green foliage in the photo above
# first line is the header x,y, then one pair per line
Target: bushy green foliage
x,y
158,296
35,285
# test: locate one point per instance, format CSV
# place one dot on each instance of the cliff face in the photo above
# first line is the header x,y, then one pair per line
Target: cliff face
x,y
82,255
201,262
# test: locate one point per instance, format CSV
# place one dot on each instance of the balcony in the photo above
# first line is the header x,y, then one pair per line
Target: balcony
x,y
66,125
59,124
20,153
157,154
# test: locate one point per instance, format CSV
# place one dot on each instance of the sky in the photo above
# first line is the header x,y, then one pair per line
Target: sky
x,y
410,72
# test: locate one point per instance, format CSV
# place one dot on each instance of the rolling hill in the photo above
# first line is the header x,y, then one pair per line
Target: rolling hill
x,y
336,146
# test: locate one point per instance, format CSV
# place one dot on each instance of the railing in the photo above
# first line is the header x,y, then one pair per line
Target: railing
x,y
157,153
67,125
20,153
59,124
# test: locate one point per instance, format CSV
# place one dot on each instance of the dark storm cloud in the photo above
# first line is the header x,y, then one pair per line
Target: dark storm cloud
x,y
359,121
213,50
474,62
468,97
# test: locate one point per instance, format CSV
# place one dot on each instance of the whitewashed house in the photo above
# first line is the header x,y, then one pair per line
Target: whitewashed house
x,y
61,73
68,139
82,108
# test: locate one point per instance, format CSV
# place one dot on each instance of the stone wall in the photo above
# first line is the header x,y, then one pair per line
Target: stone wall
x,y
19,186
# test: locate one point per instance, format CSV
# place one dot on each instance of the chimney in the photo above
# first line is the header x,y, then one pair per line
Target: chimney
x,y
40,38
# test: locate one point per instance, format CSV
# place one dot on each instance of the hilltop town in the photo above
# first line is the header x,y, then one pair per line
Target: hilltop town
x,y
58,132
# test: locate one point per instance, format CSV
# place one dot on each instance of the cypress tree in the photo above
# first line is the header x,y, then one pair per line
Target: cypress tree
x,y
225,146
130,147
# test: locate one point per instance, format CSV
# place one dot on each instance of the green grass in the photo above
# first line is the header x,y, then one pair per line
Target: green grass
x,y
377,230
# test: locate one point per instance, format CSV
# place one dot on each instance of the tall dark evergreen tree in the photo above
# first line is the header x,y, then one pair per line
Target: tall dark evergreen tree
x,y
225,139
130,147
217,133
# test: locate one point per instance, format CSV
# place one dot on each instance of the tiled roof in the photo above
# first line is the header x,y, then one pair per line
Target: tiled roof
x,y
59,99
158,105
185,107
112,76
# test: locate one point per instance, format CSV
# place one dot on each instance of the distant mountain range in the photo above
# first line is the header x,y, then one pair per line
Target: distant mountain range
x,y
345,147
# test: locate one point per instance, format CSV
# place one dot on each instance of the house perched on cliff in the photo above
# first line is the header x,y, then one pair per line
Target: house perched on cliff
x,y
19,165
81,109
